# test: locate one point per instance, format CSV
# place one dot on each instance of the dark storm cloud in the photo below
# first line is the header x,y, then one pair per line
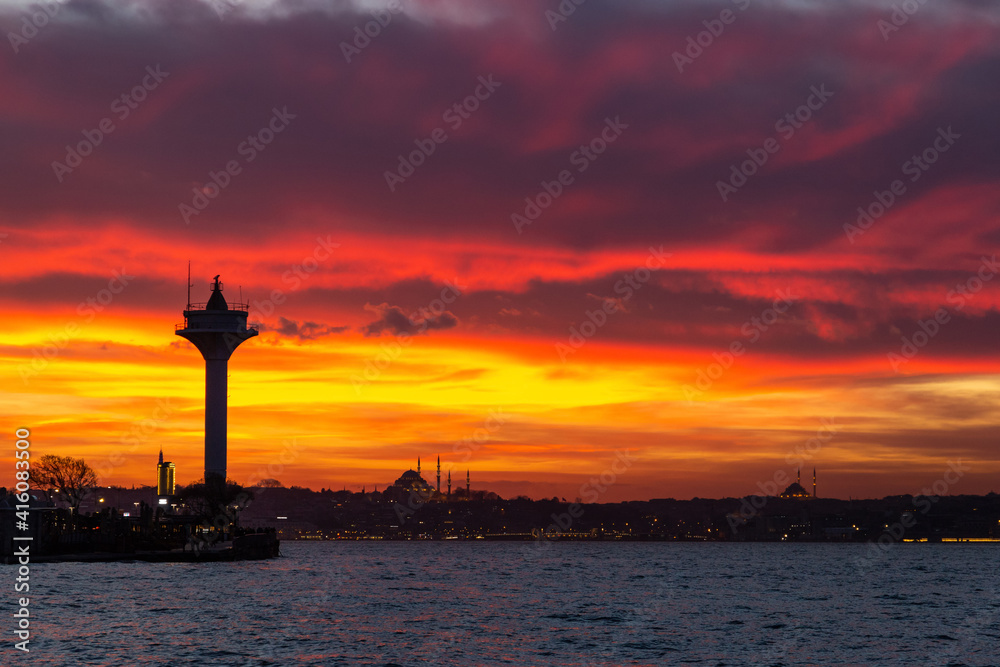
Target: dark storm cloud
x,y
860,313
556,90
305,330
392,319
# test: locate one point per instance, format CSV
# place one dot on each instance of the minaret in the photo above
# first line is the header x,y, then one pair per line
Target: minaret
x,y
814,482
216,329
418,465
449,485
467,495
439,474
798,477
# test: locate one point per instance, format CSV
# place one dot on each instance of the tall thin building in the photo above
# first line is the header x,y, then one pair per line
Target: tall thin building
x,y
449,485
216,329
468,496
814,482
165,478
439,474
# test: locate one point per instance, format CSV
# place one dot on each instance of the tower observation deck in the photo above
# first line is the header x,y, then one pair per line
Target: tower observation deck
x,y
216,328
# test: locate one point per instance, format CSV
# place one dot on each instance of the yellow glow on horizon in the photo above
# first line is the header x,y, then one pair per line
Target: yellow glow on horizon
x,y
436,393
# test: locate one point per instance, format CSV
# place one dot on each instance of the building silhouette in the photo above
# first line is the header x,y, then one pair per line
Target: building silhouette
x,y
216,328
796,490
166,481
412,483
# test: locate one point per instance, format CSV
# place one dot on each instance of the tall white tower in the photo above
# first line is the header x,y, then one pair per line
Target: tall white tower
x,y
216,329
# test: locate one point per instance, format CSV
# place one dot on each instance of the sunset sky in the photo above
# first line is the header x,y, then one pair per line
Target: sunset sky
x,y
519,238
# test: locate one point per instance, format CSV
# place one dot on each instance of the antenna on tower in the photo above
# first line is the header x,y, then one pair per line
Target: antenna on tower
x,y
189,285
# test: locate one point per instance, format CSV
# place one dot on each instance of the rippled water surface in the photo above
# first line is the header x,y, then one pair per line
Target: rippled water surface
x,y
489,603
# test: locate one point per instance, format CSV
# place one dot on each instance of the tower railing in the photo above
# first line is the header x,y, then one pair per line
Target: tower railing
x,y
236,305
202,307
251,326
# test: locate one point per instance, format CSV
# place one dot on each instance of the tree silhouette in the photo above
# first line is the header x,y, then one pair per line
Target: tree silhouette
x,y
213,504
70,479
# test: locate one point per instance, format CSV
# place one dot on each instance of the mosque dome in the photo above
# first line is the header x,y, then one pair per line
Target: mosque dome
x,y
409,476
411,480
794,490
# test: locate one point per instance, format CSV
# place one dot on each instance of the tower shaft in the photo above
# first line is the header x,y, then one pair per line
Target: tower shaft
x,y
216,330
216,406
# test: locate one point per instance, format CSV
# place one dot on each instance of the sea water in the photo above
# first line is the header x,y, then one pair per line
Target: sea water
x,y
508,603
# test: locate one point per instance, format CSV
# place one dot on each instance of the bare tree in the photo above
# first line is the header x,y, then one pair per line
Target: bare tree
x,y
70,479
